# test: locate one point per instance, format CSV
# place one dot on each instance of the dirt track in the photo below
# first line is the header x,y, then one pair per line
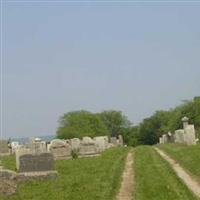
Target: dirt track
x,y
126,189
193,185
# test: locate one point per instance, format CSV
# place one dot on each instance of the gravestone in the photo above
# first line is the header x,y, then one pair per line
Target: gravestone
x,y
75,144
110,145
88,147
35,162
120,140
22,150
14,146
60,149
170,137
161,140
179,136
187,134
4,147
185,121
190,138
113,140
37,146
165,139
101,143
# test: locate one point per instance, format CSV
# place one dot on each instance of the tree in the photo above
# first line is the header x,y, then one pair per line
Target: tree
x,y
115,121
163,121
79,124
130,135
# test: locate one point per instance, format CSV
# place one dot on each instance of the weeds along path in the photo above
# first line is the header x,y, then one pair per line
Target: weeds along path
x,y
181,173
126,189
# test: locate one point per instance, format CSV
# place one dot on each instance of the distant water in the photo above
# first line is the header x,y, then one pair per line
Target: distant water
x,y
25,140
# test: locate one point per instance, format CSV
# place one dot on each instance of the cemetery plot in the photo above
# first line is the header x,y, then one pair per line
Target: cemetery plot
x,y
187,156
84,178
155,180
186,135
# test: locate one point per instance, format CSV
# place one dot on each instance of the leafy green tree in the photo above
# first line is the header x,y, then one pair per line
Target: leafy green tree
x,y
163,121
79,124
112,123
130,135
115,121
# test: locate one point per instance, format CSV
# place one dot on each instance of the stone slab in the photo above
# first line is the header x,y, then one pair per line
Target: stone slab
x,y
35,162
43,175
4,147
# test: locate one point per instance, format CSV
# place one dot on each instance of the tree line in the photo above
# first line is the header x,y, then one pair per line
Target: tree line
x,y
113,123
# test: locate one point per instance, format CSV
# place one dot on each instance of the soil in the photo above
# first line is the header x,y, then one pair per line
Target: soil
x,y
126,189
8,187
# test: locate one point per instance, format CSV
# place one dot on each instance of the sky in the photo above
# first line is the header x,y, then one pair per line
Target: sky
x,y
61,56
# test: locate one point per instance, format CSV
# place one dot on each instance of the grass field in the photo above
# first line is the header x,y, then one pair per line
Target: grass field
x,y
9,162
96,178
155,180
187,156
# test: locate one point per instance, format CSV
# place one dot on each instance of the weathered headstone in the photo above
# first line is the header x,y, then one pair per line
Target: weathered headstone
x,y
190,138
179,136
21,150
75,144
113,140
187,134
37,147
120,140
4,147
14,146
101,143
185,121
35,162
170,137
60,149
88,147
165,139
161,140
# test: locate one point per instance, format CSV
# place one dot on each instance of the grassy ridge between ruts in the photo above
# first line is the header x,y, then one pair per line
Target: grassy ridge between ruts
x,y
155,180
95,178
187,156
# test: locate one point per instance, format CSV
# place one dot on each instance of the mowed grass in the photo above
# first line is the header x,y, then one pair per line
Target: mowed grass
x,y
155,180
96,178
187,156
8,162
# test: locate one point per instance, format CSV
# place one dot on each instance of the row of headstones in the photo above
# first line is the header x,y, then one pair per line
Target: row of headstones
x,y
35,160
186,135
62,149
39,156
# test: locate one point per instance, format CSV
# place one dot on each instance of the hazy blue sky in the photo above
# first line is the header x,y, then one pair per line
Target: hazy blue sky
x,y
60,58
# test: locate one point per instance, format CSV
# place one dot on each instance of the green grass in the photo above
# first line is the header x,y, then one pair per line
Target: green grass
x,y
8,162
155,180
96,178
187,156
